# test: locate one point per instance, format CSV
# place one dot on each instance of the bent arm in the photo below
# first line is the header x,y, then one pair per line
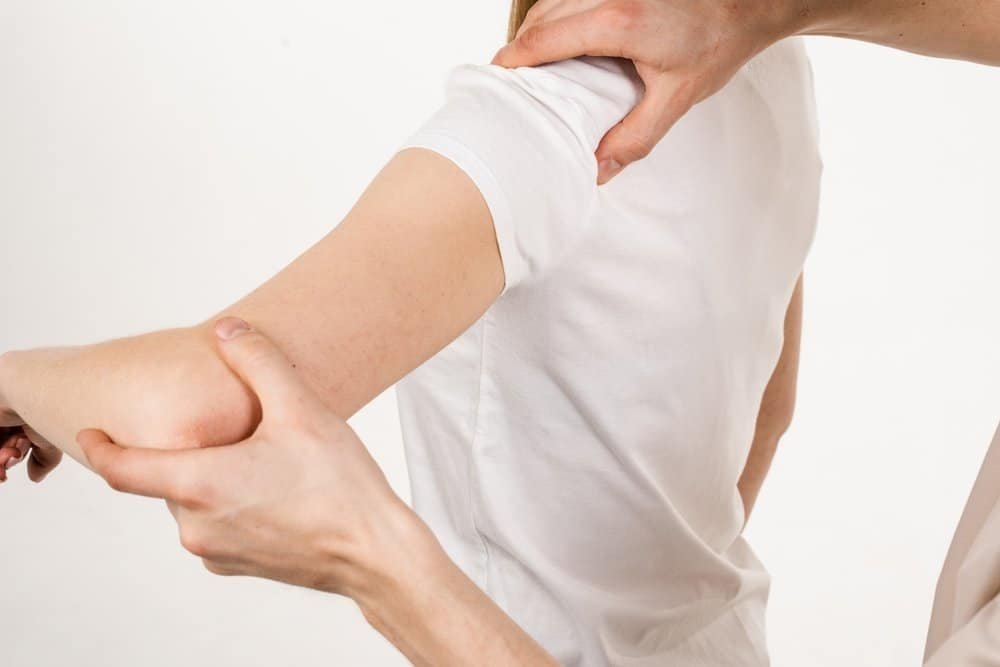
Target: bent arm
x,y
413,264
776,406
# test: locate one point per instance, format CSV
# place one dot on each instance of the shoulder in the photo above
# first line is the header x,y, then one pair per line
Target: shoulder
x,y
588,94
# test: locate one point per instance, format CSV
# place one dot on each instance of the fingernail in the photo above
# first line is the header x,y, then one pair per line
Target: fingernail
x,y
230,327
12,462
607,169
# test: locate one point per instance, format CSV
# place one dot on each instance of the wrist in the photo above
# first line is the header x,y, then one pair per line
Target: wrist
x,y
424,604
397,547
405,575
7,367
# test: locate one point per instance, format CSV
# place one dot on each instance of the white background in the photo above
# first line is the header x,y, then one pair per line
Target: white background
x,y
158,160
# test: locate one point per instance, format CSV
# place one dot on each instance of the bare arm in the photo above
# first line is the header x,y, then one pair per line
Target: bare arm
x,y
687,50
776,407
413,264
373,548
963,29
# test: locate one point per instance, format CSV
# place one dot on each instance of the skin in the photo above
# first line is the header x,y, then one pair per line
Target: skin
x,y
776,407
404,279
279,526
687,50
413,265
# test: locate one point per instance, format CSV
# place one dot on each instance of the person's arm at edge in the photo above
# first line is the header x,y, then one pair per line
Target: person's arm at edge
x,y
776,407
960,29
413,264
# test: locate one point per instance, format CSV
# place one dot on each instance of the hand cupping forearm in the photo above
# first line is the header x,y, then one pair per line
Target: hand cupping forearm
x,y
303,502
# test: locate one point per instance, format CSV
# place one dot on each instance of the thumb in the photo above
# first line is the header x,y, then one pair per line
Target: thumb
x,y
263,367
635,136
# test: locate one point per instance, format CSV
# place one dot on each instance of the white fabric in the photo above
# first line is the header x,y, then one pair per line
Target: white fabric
x,y
577,449
965,622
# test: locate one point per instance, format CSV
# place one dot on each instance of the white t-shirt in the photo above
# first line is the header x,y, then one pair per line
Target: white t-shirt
x,y
577,450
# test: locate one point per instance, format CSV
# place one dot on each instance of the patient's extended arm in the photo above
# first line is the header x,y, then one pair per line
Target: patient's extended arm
x,y
413,264
776,406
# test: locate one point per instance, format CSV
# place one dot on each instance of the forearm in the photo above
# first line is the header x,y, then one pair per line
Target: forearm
x,y
164,389
776,406
435,615
964,29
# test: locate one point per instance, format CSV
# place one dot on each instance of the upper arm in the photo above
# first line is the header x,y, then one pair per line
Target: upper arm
x,y
413,264
482,198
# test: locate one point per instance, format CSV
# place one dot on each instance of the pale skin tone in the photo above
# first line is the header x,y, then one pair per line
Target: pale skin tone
x,y
413,265
776,407
322,515
396,281
686,50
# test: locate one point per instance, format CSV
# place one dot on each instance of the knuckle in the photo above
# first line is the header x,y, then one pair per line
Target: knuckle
x,y
115,479
624,15
195,494
635,147
534,12
256,354
532,38
202,544
194,542
217,568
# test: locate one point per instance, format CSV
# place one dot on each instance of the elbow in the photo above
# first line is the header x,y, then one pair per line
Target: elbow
x,y
201,403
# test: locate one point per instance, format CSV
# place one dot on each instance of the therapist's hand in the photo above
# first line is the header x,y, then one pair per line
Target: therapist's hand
x,y
684,50
301,501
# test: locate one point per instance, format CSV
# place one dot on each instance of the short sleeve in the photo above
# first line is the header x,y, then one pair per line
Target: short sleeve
x,y
526,137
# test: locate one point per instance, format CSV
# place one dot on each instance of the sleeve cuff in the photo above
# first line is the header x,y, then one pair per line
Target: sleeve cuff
x,y
514,268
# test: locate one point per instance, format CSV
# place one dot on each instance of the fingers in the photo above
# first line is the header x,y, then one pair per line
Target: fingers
x,y
263,367
9,419
26,443
45,456
176,475
634,137
12,450
575,35
43,460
